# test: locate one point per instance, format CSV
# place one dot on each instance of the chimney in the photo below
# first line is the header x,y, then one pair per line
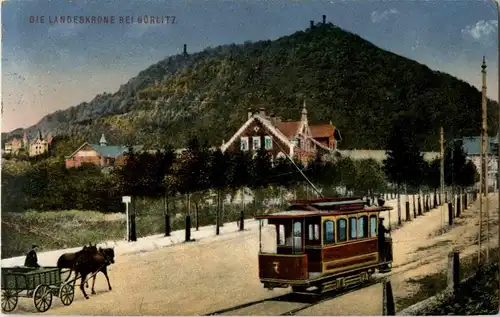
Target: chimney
x,y
262,112
312,24
324,19
185,49
250,114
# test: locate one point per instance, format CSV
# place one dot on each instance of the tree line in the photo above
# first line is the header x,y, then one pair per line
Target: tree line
x,y
200,172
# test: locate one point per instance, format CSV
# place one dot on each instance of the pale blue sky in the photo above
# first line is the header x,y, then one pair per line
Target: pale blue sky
x,y
48,67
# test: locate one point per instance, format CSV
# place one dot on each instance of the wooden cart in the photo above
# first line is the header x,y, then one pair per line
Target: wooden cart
x,y
41,284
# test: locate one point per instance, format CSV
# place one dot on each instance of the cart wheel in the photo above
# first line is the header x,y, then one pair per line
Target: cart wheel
x,y
42,298
9,300
67,293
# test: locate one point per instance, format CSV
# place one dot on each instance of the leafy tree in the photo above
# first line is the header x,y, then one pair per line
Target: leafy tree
x,y
219,179
128,174
455,160
347,173
404,160
469,175
194,173
370,178
261,169
433,177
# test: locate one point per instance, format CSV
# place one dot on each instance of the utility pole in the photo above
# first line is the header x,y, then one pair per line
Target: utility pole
x,y
498,131
483,150
486,164
442,177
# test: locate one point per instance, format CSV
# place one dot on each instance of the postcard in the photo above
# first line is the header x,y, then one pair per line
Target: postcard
x,y
250,157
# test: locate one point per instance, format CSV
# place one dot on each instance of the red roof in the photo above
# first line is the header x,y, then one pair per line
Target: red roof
x,y
322,130
288,128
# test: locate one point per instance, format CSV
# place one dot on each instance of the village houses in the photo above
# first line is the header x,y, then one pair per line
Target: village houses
x,y
295,139
26,145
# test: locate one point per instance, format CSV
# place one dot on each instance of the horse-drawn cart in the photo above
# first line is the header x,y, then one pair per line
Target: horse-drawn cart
x,y
41,284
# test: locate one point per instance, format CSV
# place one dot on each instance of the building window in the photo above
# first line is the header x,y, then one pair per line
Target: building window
x,y
256,142
268,142
295,142
352,228
244,144
329,232
316,232
341,230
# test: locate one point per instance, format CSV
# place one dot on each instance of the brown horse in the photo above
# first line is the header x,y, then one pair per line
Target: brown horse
x,y
109,255
88,262
67,260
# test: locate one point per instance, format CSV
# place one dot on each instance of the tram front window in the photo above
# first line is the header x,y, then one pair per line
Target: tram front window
x,y
269,238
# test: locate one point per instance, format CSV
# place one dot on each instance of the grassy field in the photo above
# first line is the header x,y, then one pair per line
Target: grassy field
x,y
54,230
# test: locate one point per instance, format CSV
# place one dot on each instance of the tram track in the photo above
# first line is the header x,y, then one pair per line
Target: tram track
x,y
309,300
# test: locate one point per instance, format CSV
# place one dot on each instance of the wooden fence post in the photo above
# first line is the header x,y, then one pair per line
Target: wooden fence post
x,y
133,233
459,206
450,214
407,205
188,228
388,308
453,269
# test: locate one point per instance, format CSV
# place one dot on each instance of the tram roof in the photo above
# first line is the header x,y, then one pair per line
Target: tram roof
x,y
324,207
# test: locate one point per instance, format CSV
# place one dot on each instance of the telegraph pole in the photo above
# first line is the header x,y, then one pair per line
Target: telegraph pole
x,y
486,164
442,177
483,150
498,131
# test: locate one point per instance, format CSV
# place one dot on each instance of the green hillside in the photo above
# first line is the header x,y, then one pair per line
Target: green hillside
x,y
361,88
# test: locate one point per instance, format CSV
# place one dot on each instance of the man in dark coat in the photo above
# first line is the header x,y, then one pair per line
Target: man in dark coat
x,y
381,239
31,258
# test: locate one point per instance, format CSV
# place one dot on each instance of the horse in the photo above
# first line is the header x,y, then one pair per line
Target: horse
x,y
88,262
109,254
67,260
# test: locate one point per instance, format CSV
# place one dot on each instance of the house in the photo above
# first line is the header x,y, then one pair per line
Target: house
x,y
101,154
296,139
39,145
17,145
472,147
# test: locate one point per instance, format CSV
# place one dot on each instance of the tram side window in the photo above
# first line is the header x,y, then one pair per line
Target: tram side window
x,y
310,232
341,230
329,232
352,228
373,226
281,235
316,232
363,227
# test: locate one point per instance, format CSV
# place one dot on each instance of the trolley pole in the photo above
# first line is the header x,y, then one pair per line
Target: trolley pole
x,y
442,177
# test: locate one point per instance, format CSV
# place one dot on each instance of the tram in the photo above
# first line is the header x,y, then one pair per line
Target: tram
x,y
322,244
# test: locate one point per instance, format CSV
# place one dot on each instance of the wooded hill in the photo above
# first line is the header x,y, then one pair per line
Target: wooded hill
x,y
343,78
